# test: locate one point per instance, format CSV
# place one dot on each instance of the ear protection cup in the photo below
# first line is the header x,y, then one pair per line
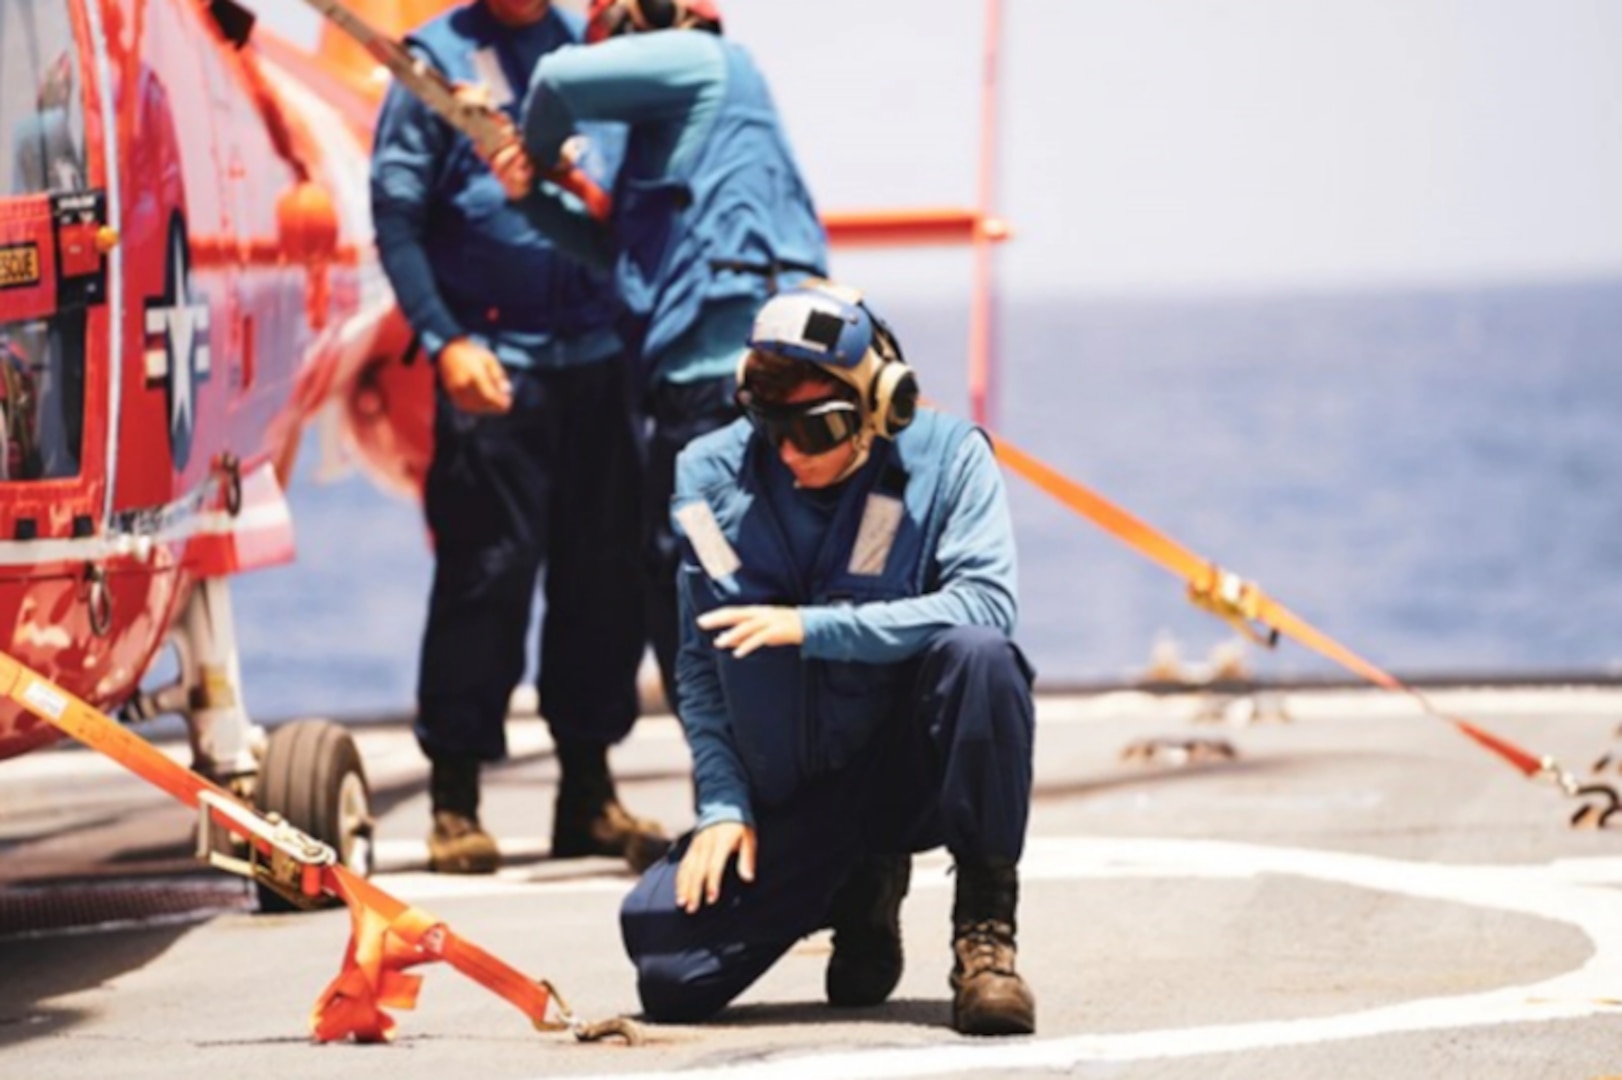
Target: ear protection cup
x,y
656,14
894,399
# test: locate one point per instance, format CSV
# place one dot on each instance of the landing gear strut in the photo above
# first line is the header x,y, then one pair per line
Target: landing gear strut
x,y
307,772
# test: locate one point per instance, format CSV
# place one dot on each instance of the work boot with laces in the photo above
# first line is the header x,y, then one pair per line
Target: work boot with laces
x,y
866,919
589,819
458,844
988,996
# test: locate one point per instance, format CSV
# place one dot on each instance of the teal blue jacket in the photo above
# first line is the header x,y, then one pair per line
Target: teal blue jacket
x,y
870,597
708,182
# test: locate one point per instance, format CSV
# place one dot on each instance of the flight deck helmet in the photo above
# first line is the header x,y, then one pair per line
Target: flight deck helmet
x,y
610,18
826,324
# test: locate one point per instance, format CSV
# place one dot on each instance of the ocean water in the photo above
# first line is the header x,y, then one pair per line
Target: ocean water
x,y
1429,476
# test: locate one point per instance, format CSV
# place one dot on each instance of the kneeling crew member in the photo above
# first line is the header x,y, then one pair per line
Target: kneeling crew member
x,y
849,688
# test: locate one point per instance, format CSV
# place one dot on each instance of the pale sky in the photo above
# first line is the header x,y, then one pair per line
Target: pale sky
x,y
1213,145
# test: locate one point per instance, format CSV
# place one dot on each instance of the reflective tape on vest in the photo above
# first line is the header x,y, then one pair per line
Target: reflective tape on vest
x,y
709,543
876,535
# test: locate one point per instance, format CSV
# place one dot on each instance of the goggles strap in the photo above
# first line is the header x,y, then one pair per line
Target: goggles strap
x,y
864,447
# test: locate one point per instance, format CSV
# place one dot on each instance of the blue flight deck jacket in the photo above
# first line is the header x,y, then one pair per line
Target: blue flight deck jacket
x,y
463,261
708,179
870,596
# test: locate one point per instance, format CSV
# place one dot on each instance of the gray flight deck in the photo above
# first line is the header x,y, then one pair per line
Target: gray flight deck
x,y
1359,891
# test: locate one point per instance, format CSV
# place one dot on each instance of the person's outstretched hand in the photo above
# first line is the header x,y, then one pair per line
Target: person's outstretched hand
x,y
473,378
751,628
698,878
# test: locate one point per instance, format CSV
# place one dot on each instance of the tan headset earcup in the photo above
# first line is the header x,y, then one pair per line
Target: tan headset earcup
x,y
895,399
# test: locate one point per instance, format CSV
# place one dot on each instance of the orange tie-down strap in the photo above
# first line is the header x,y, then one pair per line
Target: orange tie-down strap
x,y
388,934
1243,604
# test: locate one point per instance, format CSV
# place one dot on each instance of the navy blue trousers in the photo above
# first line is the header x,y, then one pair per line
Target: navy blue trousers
x,y
953,767
677,414
551,484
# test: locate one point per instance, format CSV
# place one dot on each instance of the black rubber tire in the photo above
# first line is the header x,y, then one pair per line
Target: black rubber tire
x,y
307,765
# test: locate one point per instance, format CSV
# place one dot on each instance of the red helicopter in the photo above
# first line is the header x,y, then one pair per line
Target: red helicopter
x,y
187,278
185,266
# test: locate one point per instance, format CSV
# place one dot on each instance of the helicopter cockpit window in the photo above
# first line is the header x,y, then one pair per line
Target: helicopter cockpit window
x,y
41,107
41,398
42,152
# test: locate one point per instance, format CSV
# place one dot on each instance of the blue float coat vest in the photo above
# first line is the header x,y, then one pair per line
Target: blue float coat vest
x,y
739,199
494,269
794,718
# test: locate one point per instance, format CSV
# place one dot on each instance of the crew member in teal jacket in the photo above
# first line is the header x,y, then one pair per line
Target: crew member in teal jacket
x,y
534,452
710,216
849,688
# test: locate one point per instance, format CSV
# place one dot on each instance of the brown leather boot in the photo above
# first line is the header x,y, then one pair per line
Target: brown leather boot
x,y
458,844
989,997
866,919
589,819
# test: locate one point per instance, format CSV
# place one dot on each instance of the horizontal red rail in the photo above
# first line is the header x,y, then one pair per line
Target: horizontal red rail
x,y
896,228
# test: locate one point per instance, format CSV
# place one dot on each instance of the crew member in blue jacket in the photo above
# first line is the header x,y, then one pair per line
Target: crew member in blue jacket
x,y
848,684
534,452
710,216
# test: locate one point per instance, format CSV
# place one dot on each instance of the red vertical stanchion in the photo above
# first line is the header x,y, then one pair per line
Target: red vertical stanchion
x,y
982,321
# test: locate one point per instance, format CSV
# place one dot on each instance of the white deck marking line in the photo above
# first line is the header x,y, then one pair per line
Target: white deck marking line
x,y
1580,892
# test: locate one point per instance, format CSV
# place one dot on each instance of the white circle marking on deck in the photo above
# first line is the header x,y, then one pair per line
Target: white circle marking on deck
x,y
1578,892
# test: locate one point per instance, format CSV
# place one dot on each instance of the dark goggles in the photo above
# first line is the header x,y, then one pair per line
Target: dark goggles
x,y
814,427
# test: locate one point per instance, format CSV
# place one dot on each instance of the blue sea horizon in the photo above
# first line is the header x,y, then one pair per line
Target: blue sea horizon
x,y
1428,475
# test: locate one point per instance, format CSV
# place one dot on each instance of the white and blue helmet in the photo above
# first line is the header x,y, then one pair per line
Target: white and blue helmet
x,y
827,324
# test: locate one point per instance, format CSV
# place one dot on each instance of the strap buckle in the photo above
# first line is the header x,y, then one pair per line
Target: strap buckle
x,y
1235,601
280,857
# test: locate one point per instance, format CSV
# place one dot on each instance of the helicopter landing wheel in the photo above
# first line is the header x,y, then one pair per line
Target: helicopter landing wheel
x,y
312,777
